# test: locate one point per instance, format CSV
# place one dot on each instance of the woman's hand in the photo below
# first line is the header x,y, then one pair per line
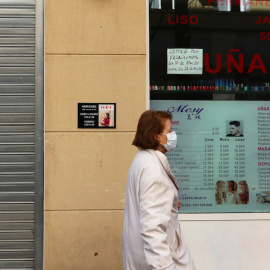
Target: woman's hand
x,y
179,205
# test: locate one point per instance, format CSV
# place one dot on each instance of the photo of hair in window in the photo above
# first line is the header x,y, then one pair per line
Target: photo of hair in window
x,y
243,195
231,192
221,197
234,129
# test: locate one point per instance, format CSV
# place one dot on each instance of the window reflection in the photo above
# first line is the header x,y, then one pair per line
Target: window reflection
x,y
217,5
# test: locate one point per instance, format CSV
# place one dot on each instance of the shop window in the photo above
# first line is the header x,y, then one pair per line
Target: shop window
x,y
209,67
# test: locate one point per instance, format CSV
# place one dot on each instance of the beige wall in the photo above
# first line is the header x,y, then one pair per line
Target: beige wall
x,y
95,52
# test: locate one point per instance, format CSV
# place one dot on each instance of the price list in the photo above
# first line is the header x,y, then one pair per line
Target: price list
x,y
208,166
263,150
221,162
240,165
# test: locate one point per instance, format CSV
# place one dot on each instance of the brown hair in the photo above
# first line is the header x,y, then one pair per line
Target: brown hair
x,y
220,194
232,184
245,194
150,124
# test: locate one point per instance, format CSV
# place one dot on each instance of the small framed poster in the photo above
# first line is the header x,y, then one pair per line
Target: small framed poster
x,y
97,115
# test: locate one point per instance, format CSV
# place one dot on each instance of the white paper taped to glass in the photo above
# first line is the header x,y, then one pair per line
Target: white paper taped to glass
x,y
184,61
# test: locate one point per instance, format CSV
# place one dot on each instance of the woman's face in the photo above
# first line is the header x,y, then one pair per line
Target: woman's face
x,y
242,188
229,188
167,129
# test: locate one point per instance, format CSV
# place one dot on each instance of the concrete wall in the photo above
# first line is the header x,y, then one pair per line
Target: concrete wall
x,y
95,51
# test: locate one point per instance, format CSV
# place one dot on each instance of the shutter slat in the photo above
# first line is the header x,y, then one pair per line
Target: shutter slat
x,y
15,207
16,138
25,89
17,109
17,2
15,245
18,264
16,169
20,61
29,178
17,70
14,216
16,254
17,40
17,148
16,226
17,129
17,188
17,31
10,12
17,22
16,198
23,79
17,158
17,119
12,100
17,51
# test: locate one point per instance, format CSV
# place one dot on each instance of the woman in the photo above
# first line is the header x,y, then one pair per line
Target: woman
x,y
152,237
232,192
220,193
243,196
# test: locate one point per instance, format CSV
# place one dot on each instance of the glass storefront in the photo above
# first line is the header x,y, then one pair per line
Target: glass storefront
x,y
209,67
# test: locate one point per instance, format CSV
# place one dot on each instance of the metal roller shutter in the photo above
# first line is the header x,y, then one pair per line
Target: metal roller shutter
x,y
21,175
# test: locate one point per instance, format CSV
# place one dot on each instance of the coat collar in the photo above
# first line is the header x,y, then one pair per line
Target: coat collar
x,y
165,164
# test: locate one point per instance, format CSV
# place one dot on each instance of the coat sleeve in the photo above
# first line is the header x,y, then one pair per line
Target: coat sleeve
x,y
155,204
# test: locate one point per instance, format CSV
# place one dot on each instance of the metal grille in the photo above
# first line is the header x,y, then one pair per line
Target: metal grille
x,y
17,133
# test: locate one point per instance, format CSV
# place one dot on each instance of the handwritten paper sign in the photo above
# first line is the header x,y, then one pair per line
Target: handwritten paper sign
x,y
184,61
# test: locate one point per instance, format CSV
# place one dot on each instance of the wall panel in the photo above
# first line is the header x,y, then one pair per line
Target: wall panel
x,y
74,79
83,240
87,170
96,27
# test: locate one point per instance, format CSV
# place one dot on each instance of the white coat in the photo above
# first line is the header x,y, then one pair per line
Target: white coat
x,y
152,237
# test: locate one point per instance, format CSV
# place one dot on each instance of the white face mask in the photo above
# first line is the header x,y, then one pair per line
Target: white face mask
x,y
171,141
